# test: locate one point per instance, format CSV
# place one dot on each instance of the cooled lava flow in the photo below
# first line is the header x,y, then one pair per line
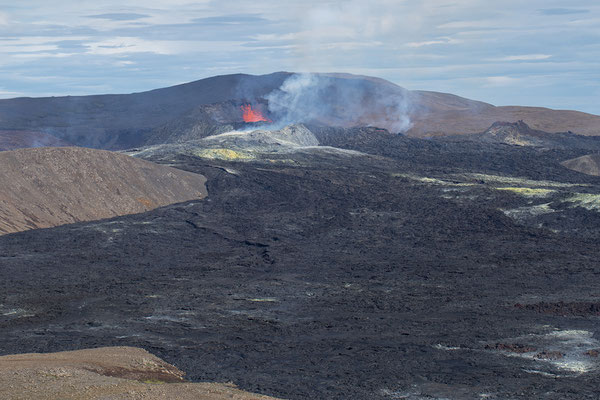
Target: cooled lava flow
x,y
251,115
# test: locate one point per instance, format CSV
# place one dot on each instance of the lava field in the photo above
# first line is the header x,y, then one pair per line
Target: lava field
x,y
394,268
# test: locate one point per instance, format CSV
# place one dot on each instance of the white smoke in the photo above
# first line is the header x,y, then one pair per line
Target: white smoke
x,y
294,100
342,100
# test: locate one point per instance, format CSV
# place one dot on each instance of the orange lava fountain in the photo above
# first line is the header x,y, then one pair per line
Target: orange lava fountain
x,y
251,115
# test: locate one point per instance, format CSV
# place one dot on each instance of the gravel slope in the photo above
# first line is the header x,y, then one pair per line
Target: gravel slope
x,y
46,187
116,373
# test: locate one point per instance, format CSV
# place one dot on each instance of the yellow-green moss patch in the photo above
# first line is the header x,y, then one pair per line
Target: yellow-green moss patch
x,y
588,201
431,181
485,178
224,154
526,191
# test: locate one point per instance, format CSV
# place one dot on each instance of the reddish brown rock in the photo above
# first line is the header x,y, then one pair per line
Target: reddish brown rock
x,y
549,355
592,353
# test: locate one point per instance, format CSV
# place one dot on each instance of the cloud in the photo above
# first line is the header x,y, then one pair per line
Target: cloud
x,y
443,40
232,19
125,63
469,47
119,16
40,55
562,11
467,25
524,57
16,50
127,45
131,45
26,45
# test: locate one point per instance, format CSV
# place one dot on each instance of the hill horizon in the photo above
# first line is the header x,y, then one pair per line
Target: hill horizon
x,y
119,121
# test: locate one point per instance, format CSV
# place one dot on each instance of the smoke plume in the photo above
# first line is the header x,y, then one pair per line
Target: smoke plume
x,y
341,100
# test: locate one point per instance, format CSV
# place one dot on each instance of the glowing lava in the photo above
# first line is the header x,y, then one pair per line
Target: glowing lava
x,y
251,115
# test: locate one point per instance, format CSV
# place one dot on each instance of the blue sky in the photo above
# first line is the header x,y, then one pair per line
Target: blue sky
x,y
537,52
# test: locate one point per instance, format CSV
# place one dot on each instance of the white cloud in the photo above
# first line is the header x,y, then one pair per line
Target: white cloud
x,y
126,45
524,57
16,51
40,54
466,24
461,46
275,37
132,45
443,40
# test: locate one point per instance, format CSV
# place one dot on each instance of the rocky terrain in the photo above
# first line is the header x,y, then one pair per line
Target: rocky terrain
x,y
520,134
240,145
318,256
117,373
371,266
44,187
209,106
588,164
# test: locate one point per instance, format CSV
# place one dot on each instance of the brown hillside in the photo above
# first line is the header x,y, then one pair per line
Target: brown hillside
x,y
437,114
119,373
44,187
589,164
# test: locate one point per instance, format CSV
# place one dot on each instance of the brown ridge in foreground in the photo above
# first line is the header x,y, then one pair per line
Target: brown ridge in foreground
x,y
45,187
117,373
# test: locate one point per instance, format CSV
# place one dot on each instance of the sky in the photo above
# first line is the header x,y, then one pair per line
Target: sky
x,y
536,52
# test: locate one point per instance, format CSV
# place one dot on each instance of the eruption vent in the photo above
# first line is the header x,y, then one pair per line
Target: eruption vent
x,y
251,115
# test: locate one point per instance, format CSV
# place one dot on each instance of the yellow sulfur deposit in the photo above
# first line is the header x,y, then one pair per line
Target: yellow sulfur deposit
x,y
586,200
527,192
224,154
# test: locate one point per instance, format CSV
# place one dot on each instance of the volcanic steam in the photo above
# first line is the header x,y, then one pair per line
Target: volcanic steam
x,y
340,100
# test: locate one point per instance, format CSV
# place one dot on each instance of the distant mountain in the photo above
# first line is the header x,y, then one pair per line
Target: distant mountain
x,y
117,121
205,107
439,114
46,187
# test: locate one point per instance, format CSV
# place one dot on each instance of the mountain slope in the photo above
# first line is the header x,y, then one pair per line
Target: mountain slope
x,y
46,187
121,120
129,120
439,114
